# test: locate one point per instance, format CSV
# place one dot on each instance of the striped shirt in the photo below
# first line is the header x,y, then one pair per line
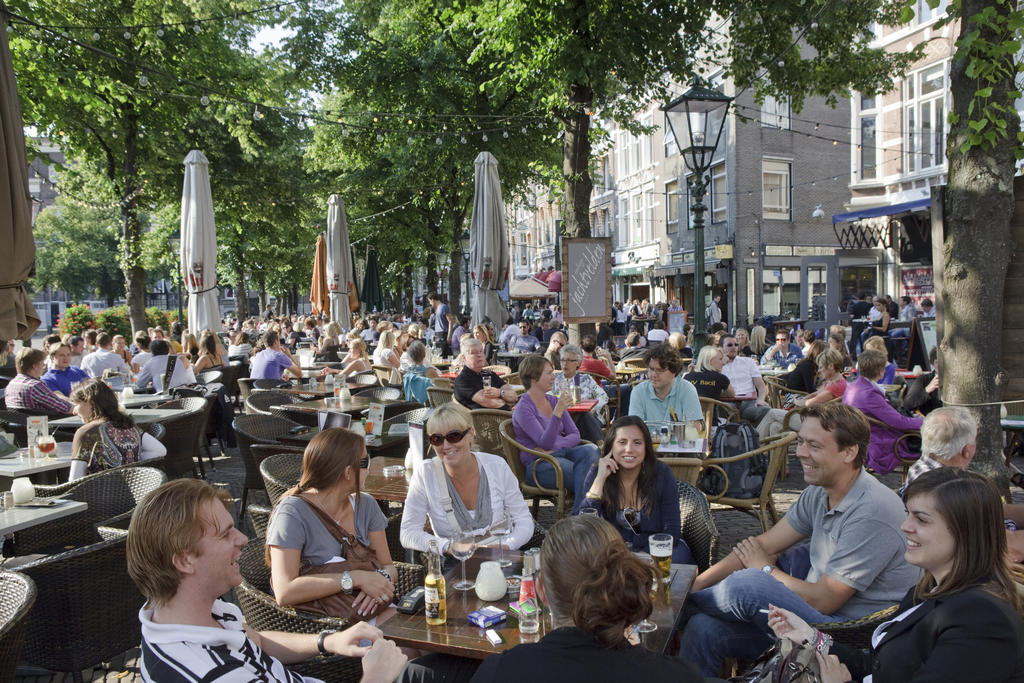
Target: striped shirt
x,y
32,394
178,653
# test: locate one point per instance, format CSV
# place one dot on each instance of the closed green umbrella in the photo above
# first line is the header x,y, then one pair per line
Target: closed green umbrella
x,y
373,294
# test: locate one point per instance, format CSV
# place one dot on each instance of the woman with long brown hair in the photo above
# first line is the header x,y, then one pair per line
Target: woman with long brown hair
x,y
596,590
333,467
962,622
210,357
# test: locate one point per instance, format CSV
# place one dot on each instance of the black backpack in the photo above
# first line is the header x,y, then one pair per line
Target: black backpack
x,y
746,477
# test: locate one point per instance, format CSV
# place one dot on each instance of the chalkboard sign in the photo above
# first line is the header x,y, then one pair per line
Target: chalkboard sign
x,y
676,321
923,338
586,280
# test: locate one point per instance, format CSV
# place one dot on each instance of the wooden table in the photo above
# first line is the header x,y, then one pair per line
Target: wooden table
x,y
141,416
18,466
584,406
353,405
374,445
390,489
19,518
143,400
463,639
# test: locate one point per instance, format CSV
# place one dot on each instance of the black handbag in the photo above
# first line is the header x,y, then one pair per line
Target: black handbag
x,y
783,662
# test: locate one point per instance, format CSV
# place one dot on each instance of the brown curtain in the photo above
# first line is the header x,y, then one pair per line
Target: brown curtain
x,y
18,319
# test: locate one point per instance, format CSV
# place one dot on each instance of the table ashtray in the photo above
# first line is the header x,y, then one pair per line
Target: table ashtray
x,y
394,470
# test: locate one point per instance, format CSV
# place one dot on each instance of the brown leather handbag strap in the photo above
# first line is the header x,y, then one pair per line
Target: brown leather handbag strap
x,y
347,540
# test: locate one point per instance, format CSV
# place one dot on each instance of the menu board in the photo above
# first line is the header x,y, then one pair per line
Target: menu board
x,y
586,279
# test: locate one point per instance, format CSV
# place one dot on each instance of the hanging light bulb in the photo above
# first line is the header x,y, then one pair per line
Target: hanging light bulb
x,y
504,134
95,34
127,35
408,140
462,139
380,137
10,29
236,21
160,32
257,114
437,140
144,80
205,100
523,129
196,28
484,137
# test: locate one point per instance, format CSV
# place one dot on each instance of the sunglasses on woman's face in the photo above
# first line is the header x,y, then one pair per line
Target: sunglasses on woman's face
x,y
364,464
453,436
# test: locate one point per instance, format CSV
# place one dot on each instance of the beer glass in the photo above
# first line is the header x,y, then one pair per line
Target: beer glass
x,y
661,554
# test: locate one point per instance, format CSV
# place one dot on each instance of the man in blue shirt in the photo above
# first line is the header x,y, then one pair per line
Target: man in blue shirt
x,y
273,361
666,396
442,325
62,374
784,352
523,342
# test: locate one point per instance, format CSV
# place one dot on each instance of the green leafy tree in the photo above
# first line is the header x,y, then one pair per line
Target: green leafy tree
x,y
124,99
76,250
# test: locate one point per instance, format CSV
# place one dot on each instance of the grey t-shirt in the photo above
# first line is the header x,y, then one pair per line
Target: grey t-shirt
x,y
295,526
859,543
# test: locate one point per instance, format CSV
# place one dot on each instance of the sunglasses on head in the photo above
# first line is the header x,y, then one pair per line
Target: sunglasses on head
x,y
453,436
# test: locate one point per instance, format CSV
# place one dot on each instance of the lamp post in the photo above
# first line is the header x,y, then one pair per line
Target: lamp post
x,y
697,118
464,245
175,243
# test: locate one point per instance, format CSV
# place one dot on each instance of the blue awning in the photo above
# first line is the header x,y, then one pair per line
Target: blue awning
x,y
890,210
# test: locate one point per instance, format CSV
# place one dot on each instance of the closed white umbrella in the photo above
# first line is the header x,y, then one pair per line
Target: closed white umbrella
x,y
199,245
340,278
488,242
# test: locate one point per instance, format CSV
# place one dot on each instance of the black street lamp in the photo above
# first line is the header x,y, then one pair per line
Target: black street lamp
x,y
174,241
697,118
464,244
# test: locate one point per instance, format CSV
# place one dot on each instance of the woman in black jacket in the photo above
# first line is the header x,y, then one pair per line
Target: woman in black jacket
x,y
802,378
962,622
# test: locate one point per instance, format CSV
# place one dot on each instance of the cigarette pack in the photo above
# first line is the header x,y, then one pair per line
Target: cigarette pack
x,y
485,617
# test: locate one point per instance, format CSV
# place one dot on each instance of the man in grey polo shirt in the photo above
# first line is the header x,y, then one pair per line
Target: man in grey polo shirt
x,y
852,566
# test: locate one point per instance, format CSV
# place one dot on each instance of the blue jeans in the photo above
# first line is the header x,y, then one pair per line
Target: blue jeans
x,y
575,463
726,621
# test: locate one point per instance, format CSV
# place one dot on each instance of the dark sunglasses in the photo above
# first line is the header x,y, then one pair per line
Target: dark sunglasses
x,y
453,436
364,463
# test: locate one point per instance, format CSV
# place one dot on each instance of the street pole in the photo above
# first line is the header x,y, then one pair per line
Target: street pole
x,y
465,274
698,189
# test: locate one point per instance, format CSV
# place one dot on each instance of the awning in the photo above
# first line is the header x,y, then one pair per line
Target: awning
x,y
627,270
890,210
664,271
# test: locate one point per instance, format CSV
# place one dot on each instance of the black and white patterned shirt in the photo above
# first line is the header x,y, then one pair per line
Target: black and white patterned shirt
x,y
175,653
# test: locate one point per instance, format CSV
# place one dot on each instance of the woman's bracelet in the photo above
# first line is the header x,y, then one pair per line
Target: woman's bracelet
x,y
386,574
822,642
591,496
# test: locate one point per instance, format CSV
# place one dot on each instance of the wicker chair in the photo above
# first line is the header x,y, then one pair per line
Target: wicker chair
x,y
229,378
364,379
384,373
276,487
259,402
486,423
499,370
210,377
256,429
414,415
263,613
698,525
259,519
183,439
264,384
111,496
192,403
87,609
380,394
857,633
280,472
302,417
762,507
17,594
905,463
244,389
438,396
561,496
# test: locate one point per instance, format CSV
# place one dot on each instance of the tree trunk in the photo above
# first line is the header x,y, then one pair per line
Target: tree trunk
x,y
131,234
976,251
409,296
576,162
241,294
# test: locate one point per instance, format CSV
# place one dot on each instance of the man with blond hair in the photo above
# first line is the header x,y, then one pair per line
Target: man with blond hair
x,y
183,551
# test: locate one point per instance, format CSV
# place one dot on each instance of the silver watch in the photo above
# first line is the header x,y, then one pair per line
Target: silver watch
x,y
346,583
767,569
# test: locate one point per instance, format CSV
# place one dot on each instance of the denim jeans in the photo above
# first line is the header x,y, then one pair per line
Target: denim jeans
x,y
726,620
575,463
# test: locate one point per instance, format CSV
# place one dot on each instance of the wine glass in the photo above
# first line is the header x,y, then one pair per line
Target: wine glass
x,y
502,529
646,626
463,545
46,444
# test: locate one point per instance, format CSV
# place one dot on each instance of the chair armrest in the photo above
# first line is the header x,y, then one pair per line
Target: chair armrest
x,y
541,456
772,443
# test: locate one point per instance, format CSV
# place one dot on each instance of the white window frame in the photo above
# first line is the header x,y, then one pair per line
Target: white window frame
x,y
647,143
865,150
776,196
718,194
672,206
669,140
623,231
924,148
775,113
923,13
622,153
636,233
649,201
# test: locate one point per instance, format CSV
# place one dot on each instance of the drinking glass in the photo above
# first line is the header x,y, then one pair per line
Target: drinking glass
x,y
46,444
645,626
661,554
590,512
487,381
502,529
463,545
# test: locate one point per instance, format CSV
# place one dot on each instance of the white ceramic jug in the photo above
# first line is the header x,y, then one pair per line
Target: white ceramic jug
x,y
490,582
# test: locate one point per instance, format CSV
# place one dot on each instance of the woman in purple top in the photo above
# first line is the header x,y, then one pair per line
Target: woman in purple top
x,y
542,422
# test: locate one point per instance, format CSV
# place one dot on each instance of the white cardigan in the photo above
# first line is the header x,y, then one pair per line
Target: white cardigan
x,y
422,503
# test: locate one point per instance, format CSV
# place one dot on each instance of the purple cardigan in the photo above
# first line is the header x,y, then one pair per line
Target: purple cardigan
x,y
534,430
870,401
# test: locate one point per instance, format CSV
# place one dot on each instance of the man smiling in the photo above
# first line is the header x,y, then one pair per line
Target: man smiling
x,y
852,566
666,396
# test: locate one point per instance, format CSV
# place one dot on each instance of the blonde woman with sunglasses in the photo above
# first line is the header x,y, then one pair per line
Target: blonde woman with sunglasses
x,y
461,489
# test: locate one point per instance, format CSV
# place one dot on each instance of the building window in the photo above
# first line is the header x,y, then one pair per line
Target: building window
x,y
623,221
775,112
622,153
719,194
672,206
775,190
923,11
634,152
868,148
636,203
648,231
924,117
647,143
670,141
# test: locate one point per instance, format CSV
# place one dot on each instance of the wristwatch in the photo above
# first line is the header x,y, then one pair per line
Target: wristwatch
x,y
767,569
320,642
346,583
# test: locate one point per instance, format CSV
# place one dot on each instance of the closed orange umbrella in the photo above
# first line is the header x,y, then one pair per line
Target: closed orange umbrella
x,y
318,294
18,319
